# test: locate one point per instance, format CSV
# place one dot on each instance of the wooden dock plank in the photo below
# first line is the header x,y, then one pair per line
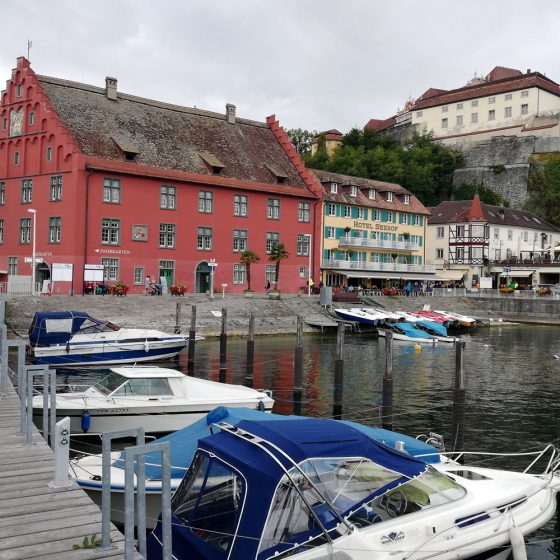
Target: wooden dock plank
x,y
38,522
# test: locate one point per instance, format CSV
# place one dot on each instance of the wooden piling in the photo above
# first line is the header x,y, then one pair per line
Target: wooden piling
x,y
192,338
298,366
223,346
338,392
250,352
178,318
459,398
387,406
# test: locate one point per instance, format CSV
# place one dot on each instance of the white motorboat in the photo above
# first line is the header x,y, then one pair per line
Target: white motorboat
x,y
158,399
87,470
464,320
362,315
74,338
316,489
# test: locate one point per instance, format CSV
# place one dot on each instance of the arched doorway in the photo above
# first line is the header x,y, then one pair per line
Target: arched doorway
x,y
202,278
42,273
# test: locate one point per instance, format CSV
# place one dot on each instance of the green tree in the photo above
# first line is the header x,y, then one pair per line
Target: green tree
x,y
277,254
467,191
544,190
301,139
248,258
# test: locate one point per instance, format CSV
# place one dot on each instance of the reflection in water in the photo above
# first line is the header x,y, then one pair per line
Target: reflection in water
x,y
513,387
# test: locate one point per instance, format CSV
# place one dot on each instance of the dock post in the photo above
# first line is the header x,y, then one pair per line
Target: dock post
x,y
49,406
298,366
192,339
387,407
250,352
3,359
178,317
459,398
339,373
223,347
61,446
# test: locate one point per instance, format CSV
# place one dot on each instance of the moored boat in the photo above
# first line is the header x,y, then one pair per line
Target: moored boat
x,y
318,489
407,332
160,400
74,338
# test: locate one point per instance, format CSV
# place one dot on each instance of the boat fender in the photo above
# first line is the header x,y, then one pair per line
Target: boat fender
x,y
214,416
146,346
260,406
517,543
417,348
68,348
86,421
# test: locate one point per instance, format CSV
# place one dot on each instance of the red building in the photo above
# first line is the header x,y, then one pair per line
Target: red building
x,y
145,188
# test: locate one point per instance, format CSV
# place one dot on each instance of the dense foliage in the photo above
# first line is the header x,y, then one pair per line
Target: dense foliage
x,y
421,165
467,191
301,139
544,191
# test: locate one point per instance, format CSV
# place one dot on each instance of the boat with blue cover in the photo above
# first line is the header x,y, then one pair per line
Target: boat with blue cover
x,y
315,489
75,338
408,332
87,470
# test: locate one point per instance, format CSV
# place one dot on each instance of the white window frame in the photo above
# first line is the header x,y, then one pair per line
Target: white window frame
x,y
239,273
111,190
440,232
205,202
240,205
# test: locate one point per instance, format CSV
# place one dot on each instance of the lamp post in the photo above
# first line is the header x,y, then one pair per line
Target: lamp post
x,y
212,264
310,237
34,212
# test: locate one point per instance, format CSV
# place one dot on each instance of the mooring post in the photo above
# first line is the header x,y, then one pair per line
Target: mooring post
x,y
459,398
192,339
387,407
223,347
250,351
298,366
338,373
178,317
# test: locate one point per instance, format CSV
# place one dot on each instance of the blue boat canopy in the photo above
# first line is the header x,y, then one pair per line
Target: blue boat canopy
x,y
50,328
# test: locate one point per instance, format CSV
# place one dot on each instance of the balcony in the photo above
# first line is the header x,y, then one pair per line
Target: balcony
x,y
378,244
377,266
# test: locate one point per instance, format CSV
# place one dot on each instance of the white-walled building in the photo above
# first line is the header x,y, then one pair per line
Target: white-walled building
x,y
467,239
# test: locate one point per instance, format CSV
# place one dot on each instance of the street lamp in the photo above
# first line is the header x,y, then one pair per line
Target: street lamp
x,y
310,237
34,212
212,264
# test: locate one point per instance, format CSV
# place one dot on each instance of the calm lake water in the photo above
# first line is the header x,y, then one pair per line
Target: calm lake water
x,y
512,380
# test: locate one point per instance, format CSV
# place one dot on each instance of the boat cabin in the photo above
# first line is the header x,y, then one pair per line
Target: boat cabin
x,y
50,328
259,490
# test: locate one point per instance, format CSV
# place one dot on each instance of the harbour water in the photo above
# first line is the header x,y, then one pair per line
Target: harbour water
x,y
512,380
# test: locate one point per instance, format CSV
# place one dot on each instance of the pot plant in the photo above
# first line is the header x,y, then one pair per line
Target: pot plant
x,y
119,288
177,289
248,258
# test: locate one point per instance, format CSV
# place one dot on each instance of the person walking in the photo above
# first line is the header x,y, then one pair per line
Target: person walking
x,y
266,287
407,289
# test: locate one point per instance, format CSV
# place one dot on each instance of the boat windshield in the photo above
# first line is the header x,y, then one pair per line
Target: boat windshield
x,y
110,383
92,325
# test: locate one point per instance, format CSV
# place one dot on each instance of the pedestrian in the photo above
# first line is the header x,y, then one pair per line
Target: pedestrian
x,y
147,285
266,287
407,289
416,289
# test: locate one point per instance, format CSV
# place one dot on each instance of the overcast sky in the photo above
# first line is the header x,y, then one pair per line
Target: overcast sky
x,y
314,64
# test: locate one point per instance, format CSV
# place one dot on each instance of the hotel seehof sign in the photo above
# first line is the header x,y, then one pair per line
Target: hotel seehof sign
x,y
374,226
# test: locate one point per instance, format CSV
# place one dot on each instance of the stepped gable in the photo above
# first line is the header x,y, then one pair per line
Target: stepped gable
x,y
168,137
362,199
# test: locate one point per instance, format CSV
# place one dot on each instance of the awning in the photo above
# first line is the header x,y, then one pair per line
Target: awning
x,y
390,275
450,275
517,274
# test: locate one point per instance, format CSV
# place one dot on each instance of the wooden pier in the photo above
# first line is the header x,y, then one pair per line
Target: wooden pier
x,y
38,522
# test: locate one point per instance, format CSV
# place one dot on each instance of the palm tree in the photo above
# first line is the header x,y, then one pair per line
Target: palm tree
x,y
248,258
277,254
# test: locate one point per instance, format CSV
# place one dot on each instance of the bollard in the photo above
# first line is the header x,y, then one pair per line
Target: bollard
x,y
250,352
459,398
61,437
338,373
178,318
192,339
387,407
139,451
298,366
106,461
223,347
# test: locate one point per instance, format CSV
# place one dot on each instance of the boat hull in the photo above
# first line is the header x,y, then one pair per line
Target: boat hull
x,y
404,337
108,353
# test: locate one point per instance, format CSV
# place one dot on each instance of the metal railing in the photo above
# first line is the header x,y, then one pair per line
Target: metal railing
x,y
335,264
378,244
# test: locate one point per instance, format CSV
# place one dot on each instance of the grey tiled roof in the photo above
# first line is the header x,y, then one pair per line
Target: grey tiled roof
x,y
168,136
455,211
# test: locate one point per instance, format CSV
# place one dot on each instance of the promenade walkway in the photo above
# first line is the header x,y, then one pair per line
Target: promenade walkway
x,y
38,522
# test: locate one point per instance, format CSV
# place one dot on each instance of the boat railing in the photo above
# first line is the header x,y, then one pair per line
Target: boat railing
x,y
552,464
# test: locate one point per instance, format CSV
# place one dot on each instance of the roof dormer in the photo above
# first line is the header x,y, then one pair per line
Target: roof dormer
x,y
213,163
280,177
